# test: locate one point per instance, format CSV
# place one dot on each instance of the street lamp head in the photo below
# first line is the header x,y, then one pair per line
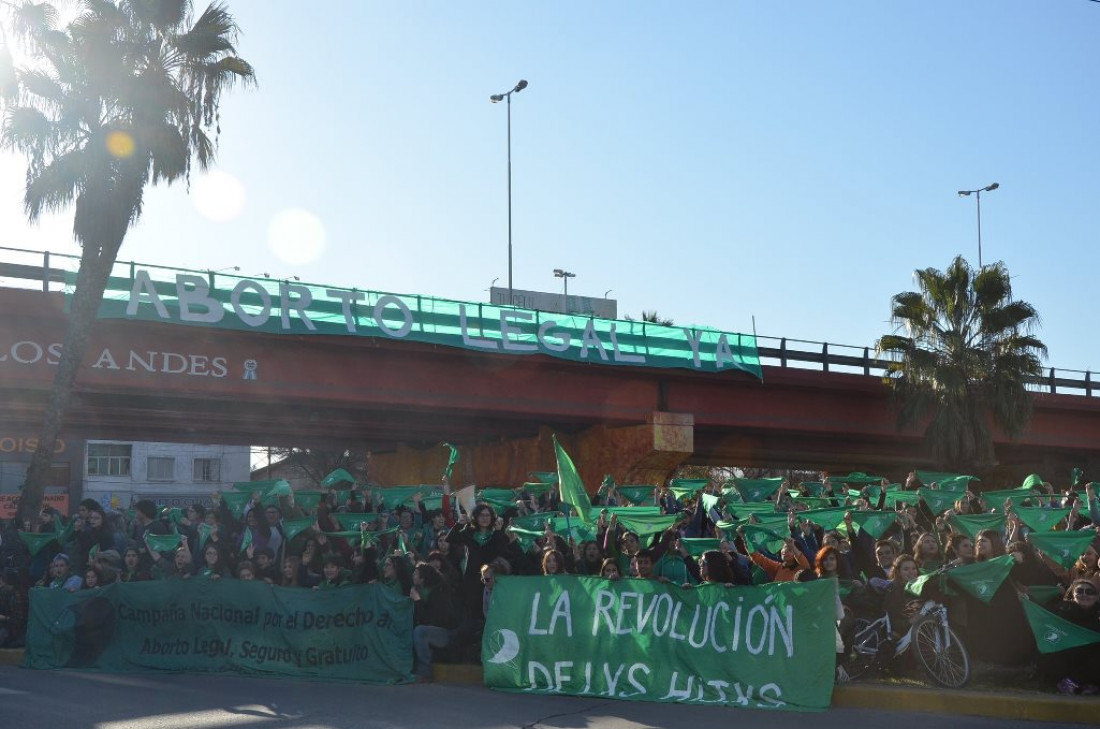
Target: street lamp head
x,y
964,193
520,86
496,97
992,187
558,273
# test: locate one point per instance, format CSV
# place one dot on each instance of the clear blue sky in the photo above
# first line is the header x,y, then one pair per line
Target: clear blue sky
x,y
795,161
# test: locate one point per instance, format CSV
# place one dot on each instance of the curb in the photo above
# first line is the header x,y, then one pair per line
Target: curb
x,y
1019,706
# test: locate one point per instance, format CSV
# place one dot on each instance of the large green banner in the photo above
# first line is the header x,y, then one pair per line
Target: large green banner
x,y
768,647
360,633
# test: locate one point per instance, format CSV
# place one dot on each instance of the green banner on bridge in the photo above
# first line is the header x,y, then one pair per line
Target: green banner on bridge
x,y
283,307
361,633
767,647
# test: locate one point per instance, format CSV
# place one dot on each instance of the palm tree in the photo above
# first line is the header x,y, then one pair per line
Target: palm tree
x,y
963,352
122,96
652,317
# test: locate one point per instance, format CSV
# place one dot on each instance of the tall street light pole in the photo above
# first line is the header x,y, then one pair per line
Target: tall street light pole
x,y
507,96
978,195
565,276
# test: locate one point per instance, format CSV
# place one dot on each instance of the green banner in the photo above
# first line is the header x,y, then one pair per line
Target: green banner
x,y
281,307
756,647
360,633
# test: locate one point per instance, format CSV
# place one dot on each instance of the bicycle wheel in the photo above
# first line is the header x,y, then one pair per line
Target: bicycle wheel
x,y
863,651
940,653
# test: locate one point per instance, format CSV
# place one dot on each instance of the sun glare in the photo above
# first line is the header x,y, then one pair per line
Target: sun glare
x,y
296,236
218,196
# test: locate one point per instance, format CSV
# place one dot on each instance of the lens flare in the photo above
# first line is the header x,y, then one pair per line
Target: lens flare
x,y
120,144
219,196
296,236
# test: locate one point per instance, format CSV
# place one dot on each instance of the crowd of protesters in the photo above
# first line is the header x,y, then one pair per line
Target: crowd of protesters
x,y
446,560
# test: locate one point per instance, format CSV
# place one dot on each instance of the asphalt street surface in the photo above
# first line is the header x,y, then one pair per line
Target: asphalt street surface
x,y
78,700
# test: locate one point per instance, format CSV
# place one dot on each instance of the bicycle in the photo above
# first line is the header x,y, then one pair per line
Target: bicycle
x,y
936,646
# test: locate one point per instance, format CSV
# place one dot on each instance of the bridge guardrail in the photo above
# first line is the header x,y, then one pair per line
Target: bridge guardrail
x,y
34,268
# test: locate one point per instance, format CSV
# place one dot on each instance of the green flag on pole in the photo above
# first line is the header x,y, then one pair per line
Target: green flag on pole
x,y
1053,633
982,579
1063,547
569,481
1040,519
452,459
971,524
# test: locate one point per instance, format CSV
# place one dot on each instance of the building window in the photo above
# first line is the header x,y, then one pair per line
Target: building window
x,y
108,459
208,469
161,468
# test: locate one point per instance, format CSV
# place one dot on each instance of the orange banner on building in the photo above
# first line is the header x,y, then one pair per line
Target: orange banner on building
x,y
54,499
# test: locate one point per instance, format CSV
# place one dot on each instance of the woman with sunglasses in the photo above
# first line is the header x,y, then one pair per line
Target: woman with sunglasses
x,y
1079,668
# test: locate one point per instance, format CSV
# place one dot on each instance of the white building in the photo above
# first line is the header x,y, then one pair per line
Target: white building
x,y
170,474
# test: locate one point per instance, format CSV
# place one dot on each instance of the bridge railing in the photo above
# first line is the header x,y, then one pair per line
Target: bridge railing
x,y
35,269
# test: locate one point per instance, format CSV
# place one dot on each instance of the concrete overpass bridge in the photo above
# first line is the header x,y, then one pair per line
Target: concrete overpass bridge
x,y
148,380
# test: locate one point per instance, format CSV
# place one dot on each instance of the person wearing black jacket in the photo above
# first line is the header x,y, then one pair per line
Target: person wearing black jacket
x,y
435,614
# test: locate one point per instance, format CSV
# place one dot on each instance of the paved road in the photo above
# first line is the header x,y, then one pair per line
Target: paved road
x,y
73,700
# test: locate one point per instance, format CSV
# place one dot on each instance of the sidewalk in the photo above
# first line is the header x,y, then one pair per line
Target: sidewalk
x,y
998,705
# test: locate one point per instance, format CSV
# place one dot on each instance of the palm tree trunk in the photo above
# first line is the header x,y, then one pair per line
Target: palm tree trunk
x,y
91,281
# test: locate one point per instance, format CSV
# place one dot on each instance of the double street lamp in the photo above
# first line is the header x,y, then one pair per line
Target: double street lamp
x,y
507,96
565,276
978,194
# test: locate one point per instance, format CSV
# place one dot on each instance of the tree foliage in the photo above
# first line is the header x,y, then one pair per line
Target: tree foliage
x,y
124,95
964,352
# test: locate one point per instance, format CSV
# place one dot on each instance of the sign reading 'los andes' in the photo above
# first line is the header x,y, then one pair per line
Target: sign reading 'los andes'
x,y
285,307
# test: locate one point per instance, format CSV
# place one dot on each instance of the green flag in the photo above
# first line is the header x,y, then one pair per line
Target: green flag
x,y
939,500
687,487
525,537
971,524
162,542
710,501
246,539
812,502
1062,547
204,534
294,527
353,520
742,511
337,476
827,518
452,459
235,501
93,552
637,495
308,500
64,531
572,528
550,477
35,541
569,481
395,496
856,477
1040,519
1053,633
499,499
813,488
645,525
279,488
946,481
916,587
536,488
757,489
893,498
1044,594
982,579
763,538
874,523
533,522
695,546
